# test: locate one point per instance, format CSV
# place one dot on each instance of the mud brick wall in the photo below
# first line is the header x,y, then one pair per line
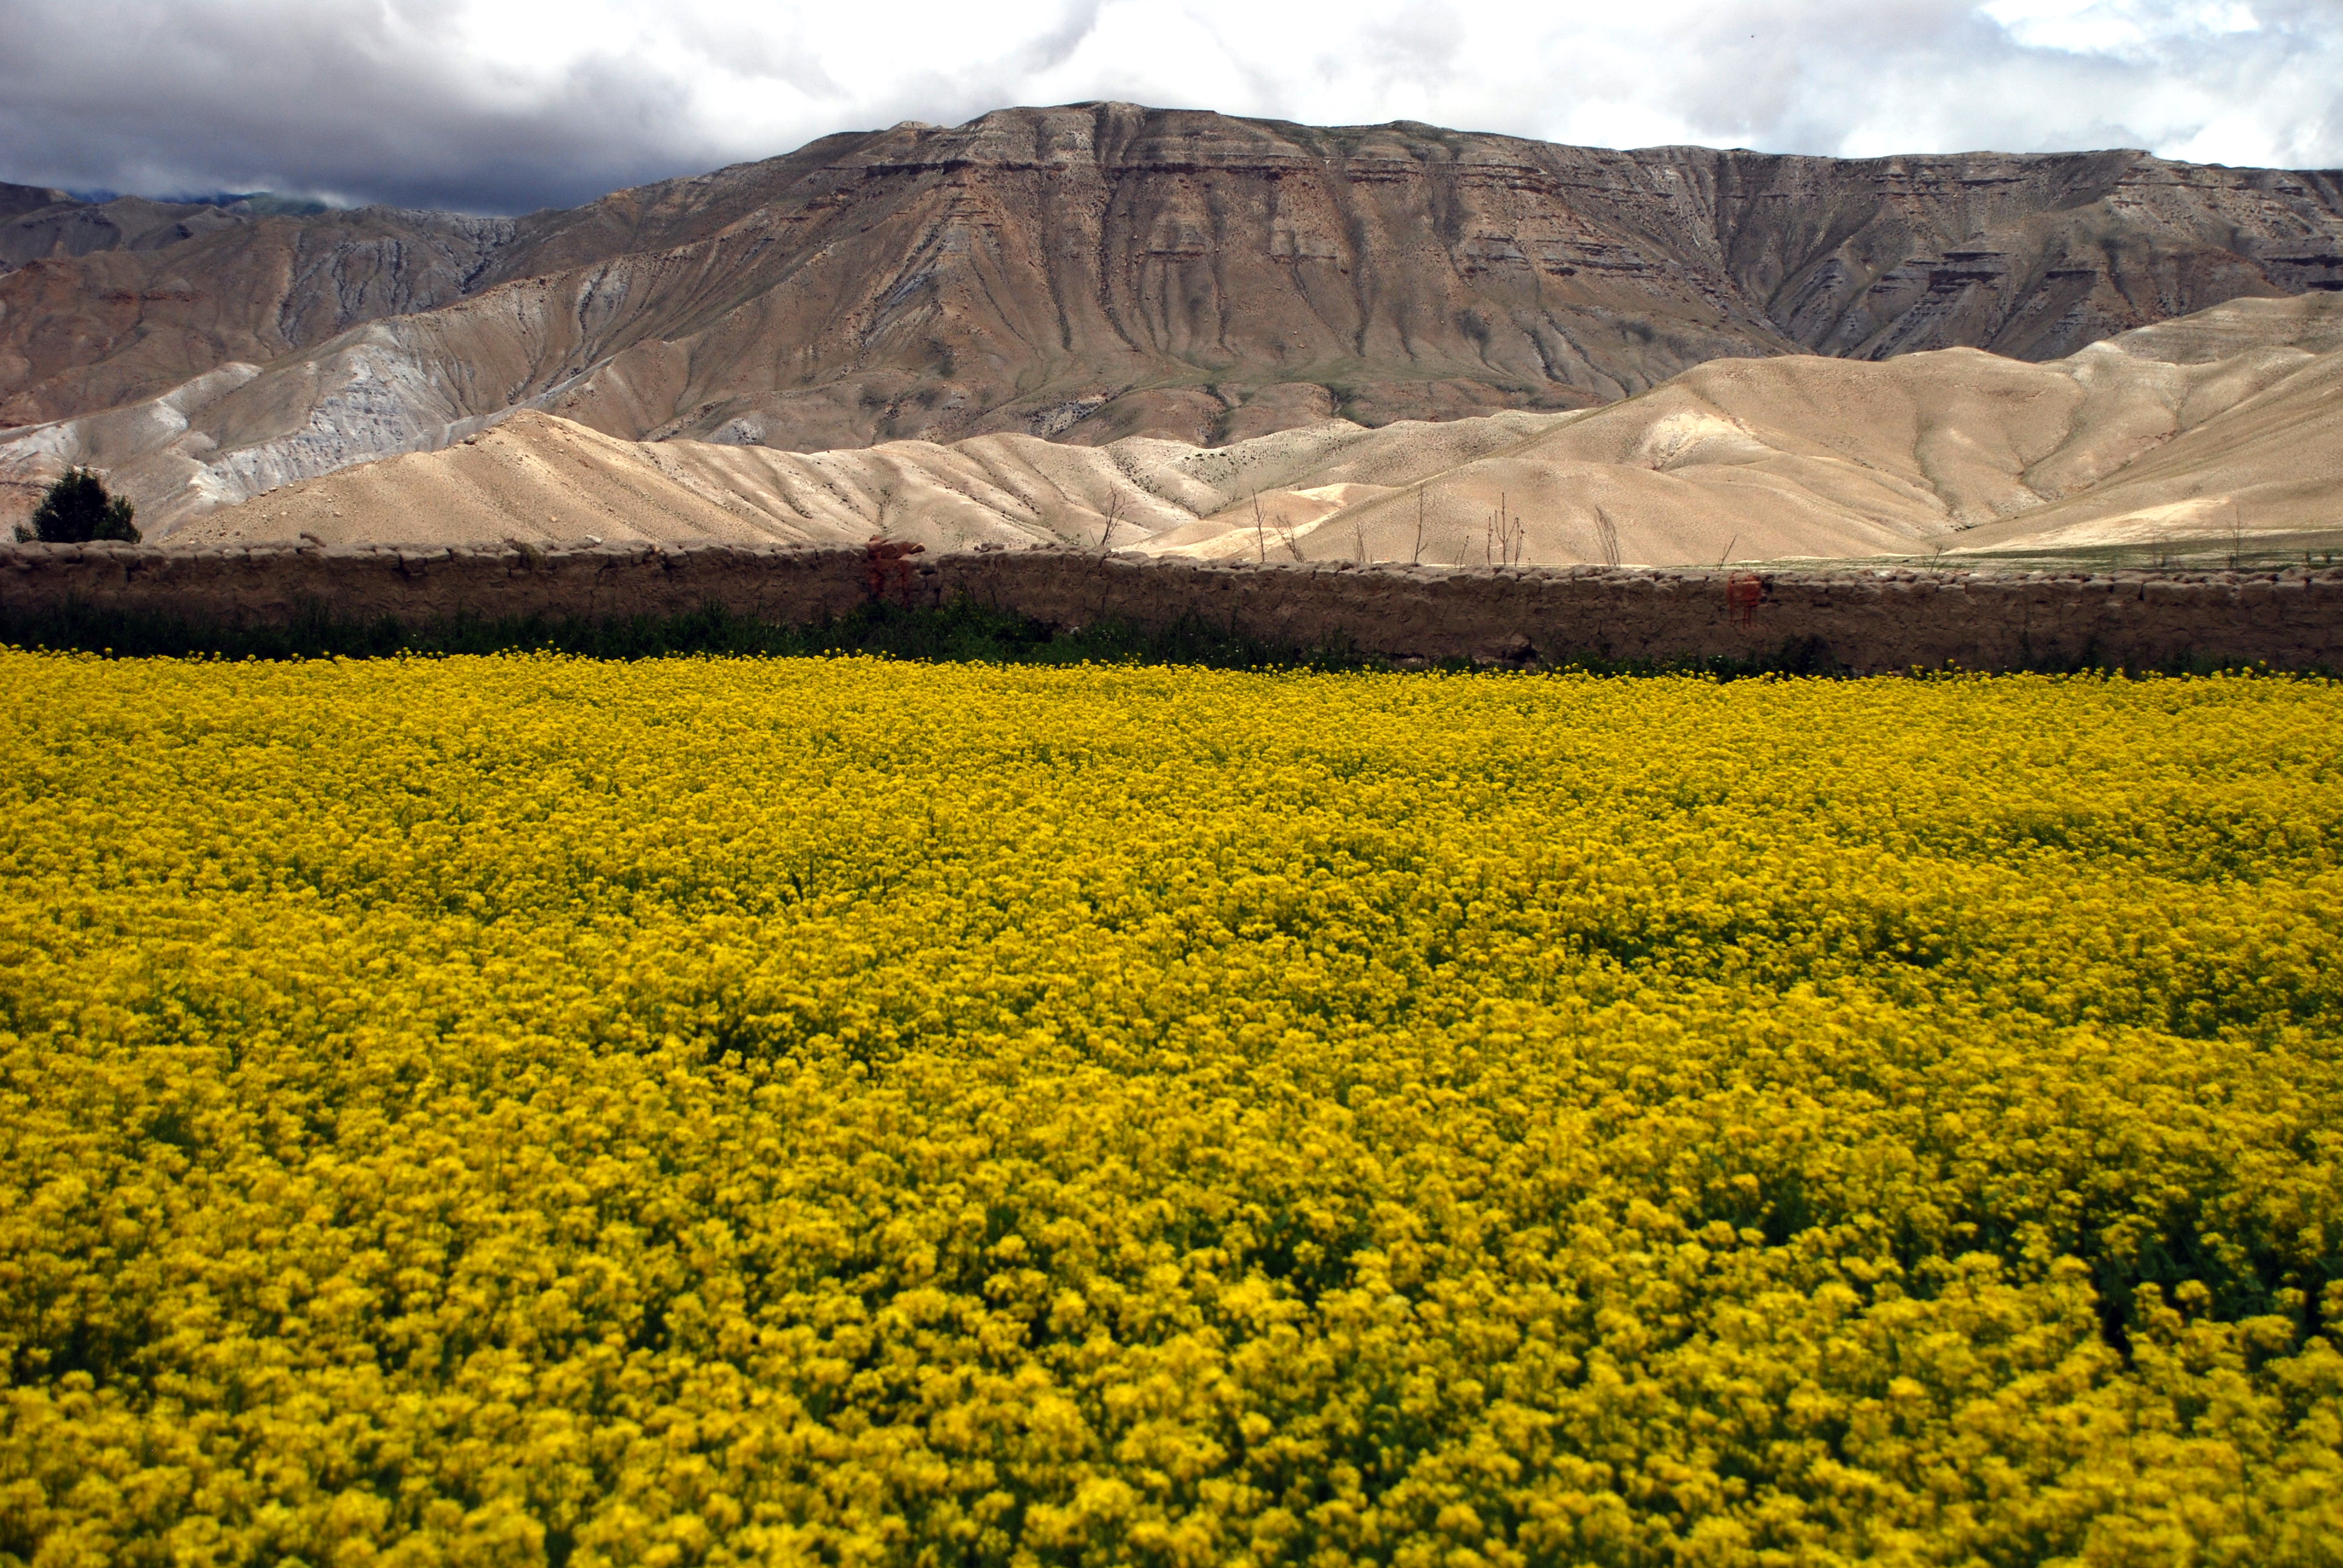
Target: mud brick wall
x,y
1864,619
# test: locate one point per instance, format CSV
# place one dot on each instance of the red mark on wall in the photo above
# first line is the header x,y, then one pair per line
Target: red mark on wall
x,y
1743,592
887,566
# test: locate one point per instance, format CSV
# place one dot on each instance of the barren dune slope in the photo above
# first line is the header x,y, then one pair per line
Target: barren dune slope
x,y
2228,420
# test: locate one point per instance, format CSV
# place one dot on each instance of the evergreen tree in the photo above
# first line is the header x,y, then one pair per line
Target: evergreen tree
x,y
76,509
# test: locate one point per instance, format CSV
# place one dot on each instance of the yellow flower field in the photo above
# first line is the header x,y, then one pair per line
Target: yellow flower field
x,y
520,1109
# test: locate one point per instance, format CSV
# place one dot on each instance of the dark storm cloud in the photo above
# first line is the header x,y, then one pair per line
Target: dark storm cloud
x,y
353,101
508,104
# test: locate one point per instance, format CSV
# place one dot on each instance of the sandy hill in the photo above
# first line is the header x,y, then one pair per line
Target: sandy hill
x,y
2226,421
1087,274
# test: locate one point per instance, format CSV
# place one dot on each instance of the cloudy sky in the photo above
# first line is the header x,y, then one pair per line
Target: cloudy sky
x,y
503,105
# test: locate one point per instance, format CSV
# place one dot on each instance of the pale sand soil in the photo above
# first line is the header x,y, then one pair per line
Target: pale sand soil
x,y
2219,424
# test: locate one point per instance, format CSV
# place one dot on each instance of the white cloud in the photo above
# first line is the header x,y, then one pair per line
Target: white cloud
x,y
509,104
2124,28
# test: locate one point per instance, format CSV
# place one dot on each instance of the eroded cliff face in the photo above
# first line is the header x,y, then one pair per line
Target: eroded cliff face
x,y
1100,271
116,304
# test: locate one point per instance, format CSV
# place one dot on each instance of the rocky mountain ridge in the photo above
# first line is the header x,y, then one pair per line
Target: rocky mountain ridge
x,y
1086,274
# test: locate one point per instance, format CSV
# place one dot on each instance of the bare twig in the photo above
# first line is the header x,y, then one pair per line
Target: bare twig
x,y
1284,534
1417,558
1508,534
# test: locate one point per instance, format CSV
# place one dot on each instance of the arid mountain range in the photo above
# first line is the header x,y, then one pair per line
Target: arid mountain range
x,y
1084,276
2224,424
